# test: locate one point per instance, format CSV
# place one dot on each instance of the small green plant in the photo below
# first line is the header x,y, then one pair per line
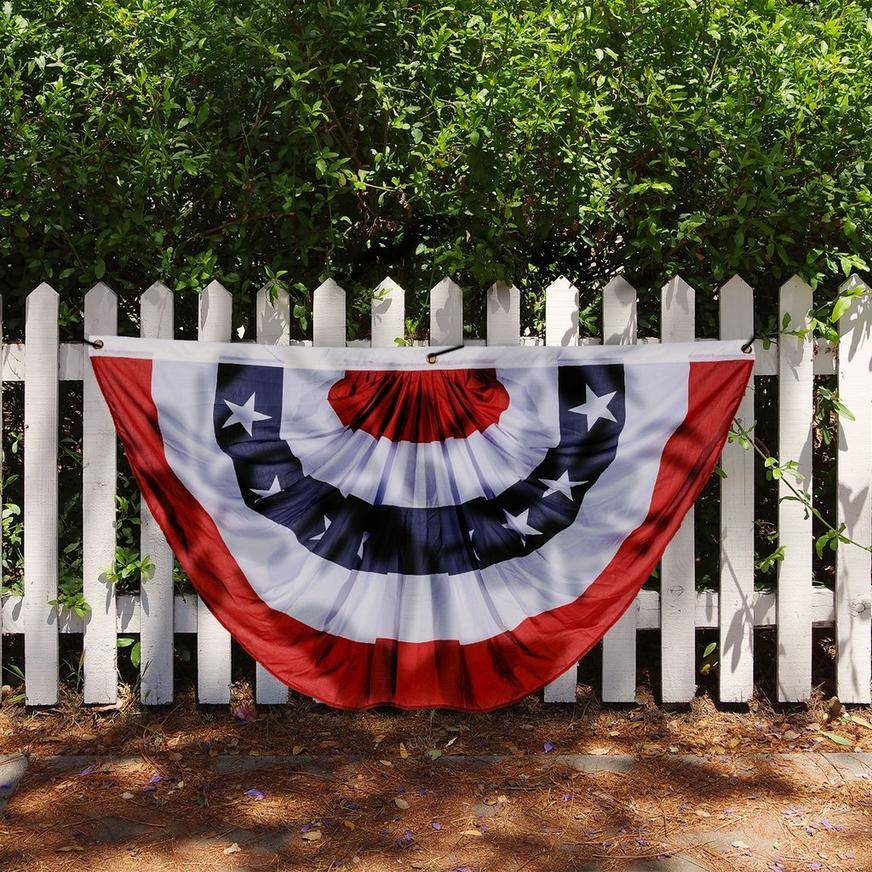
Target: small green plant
x,y
709,658
132,646
128,566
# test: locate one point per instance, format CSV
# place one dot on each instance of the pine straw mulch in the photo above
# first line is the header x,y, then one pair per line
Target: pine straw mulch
x,y
394,790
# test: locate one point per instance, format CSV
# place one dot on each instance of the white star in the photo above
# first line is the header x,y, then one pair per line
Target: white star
x,y
518,524
273,489
362,543
562,485
327,523
245,415
594,408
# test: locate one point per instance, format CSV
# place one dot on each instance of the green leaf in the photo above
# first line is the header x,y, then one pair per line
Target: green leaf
x,y
835,737
99,268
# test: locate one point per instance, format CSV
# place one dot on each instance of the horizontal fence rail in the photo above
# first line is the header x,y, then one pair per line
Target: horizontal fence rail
x,y
677,609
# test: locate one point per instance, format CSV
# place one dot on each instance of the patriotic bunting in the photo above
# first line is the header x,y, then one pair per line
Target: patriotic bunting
x,y
374,529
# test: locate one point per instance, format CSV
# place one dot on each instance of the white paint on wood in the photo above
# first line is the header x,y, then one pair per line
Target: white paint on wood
x,y
273,319
98,510
561,328
388,314
156,632
213,641
273,316
328,314
446,314
853,600
1,496
503,314
795,411
735,602
678,565
561,313
619,643
41,497
647,612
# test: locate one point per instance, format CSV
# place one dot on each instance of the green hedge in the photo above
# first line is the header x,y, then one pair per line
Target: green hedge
x,y
266,140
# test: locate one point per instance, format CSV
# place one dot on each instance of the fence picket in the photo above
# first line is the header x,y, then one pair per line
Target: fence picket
x,y
561,328
854,501
678,566
156,593
2,502
328,315
388,314
41,496
446,313
98,511
619,643
503,314
795,411
273,320
736,598
213,641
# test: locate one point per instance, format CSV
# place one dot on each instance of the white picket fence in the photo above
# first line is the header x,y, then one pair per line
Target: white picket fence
x,y
677,609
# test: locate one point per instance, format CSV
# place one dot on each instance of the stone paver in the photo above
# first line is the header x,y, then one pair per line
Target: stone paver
x,y
12,769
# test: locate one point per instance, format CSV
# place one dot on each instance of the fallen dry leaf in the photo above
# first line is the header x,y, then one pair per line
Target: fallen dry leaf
x,y
232,849
312,835
399,802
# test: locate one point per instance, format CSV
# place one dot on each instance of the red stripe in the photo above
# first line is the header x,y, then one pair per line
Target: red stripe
x,y
419,405
479,676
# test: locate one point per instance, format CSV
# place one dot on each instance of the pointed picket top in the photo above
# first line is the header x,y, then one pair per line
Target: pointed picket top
x,y
388,313
156,312
561,313
446,313
215,314
796,285
328,315
42,291
619,312
856,284
503,314
273,316
678,311
735,285
99,293
156,295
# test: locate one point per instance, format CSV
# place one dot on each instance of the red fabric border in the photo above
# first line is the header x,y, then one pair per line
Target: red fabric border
x,y
478,677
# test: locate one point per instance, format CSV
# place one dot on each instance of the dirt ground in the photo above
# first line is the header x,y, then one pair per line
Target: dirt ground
x,y
185,787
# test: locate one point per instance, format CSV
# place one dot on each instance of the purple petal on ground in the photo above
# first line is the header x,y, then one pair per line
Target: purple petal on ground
x,y
155,779
567,797
548,746
815,865
407,836
436,826
89,770
254,793
305,828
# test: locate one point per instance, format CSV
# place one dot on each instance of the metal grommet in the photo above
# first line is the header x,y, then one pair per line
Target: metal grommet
x,y
432,358
748,347
97,343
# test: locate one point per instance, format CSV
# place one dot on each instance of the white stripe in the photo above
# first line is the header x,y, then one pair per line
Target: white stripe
x,y
468,607
411,358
